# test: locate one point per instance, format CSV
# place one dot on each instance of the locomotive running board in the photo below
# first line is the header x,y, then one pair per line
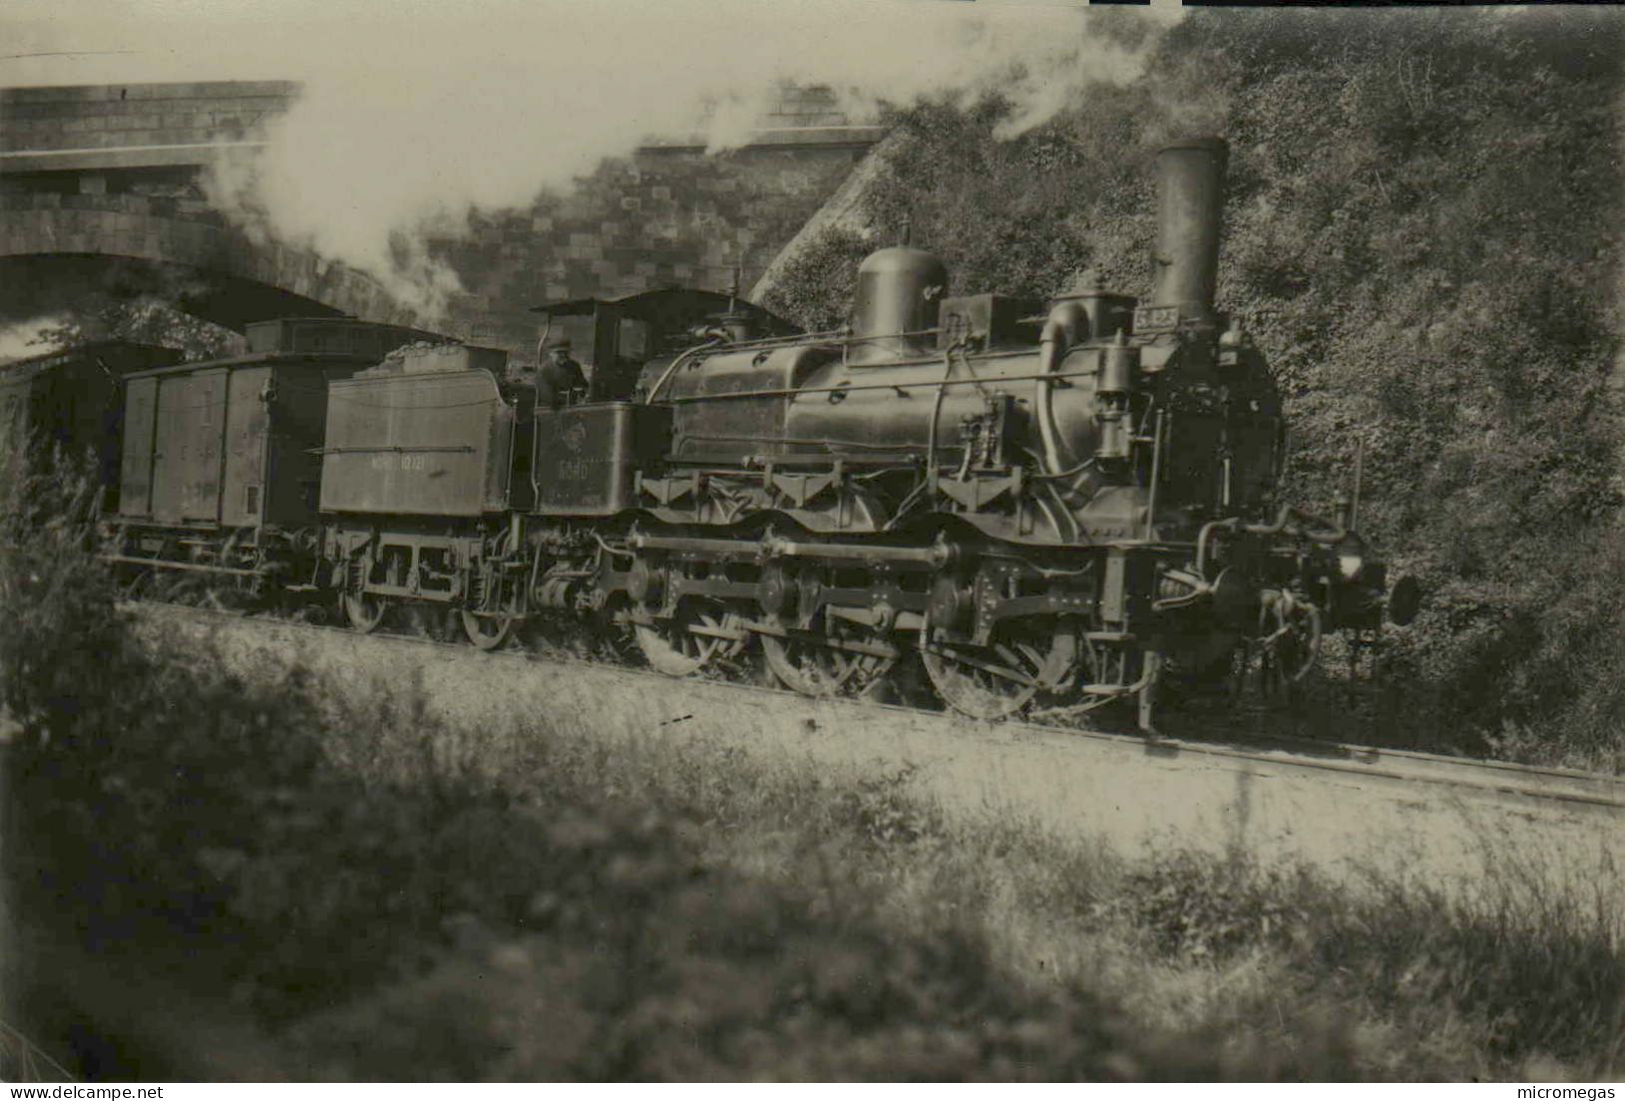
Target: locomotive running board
x,y
784,548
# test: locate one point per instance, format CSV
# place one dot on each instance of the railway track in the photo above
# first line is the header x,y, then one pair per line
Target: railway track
x,y
1352,811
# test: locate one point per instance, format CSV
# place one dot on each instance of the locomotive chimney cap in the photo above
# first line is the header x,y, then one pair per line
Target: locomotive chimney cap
x,y
899,259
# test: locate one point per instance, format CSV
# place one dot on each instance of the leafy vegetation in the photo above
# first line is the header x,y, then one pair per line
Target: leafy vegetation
x,y
1422,233
149,319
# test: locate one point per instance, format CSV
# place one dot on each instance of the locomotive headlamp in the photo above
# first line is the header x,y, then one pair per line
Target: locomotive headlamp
x,y
1350,556
1230,344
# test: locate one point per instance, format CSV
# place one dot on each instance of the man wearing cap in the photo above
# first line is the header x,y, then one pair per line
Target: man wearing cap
x,y
560,380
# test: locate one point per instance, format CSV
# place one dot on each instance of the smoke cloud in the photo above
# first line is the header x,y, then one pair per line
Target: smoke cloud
x,y
27,338
414,113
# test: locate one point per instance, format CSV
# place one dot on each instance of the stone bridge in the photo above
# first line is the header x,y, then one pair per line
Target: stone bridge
x,y
100,188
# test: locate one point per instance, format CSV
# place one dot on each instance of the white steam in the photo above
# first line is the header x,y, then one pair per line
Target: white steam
x,y
27,338
414,112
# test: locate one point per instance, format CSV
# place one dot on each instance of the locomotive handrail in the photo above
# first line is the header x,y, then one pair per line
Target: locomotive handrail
x,y
1282,523
654,391
861,445
855,387
822,336
936,409
833,338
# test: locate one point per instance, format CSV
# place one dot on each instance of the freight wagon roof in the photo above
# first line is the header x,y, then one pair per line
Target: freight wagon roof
x,y
333,334
250,359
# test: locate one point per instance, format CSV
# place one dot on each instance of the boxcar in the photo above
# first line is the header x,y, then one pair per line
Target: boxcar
x,y
70,399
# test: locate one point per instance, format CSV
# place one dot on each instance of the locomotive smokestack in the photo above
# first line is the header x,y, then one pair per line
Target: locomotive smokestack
x,y
1190,203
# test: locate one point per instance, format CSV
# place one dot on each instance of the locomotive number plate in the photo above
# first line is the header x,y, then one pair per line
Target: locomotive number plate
x,y
1156,317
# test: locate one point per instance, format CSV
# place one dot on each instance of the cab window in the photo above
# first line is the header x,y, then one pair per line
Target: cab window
x,y
632,339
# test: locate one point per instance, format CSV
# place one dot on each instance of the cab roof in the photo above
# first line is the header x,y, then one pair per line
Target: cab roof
x,y
662,306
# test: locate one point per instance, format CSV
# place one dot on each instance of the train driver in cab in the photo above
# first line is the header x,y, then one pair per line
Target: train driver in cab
x,y
560,380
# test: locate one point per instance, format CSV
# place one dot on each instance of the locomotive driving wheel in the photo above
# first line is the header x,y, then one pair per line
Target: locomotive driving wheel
x,y
365,612
996,680
814,668
488,632
699,634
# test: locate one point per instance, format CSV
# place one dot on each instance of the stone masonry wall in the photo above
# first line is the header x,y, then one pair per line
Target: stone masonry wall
x,y
661,218
132,119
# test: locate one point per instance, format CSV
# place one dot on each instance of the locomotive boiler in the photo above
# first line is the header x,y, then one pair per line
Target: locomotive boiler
x,y
1068,501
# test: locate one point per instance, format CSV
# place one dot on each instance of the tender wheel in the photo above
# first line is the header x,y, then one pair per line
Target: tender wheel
x,y
697,636
137,584
488,632
812,669
364,612
997,680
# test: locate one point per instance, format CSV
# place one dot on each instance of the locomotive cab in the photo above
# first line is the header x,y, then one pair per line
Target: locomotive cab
x,y
589,456
623,338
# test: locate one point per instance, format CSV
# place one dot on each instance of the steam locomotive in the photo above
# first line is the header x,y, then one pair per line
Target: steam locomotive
x,y
1064,501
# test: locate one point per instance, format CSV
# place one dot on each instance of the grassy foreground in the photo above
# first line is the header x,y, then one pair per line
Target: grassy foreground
x,y
326,883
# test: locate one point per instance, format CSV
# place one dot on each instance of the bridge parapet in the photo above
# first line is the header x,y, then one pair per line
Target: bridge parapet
x,y
134,125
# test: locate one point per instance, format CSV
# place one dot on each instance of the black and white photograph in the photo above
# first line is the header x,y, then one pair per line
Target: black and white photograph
x,y
811,541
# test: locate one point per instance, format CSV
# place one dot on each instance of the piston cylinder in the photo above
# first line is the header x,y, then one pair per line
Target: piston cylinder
x,y
1190,204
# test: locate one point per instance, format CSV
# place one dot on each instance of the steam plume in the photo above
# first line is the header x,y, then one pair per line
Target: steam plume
x,y
414,112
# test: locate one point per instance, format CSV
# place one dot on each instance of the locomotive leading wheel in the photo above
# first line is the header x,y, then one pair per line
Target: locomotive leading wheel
x,y
487,632
364,612
997,680
1288,642
813,669
693,638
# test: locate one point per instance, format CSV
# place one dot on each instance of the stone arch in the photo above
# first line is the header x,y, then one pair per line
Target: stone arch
x,y
211,269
